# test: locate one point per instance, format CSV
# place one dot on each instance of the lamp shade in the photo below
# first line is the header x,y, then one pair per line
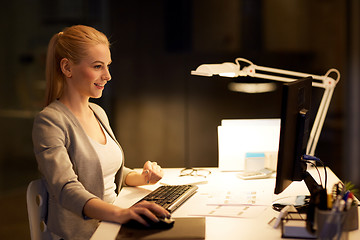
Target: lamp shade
x,y
226,69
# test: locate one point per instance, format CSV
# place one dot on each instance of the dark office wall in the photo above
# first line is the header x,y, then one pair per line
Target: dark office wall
x,y
162,113
26,28
148,86
157,109
351,154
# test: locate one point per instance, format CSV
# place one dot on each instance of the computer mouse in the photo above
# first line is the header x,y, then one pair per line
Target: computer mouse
x,y
163,223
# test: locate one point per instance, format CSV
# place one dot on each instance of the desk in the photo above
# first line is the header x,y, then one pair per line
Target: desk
x,y
221,227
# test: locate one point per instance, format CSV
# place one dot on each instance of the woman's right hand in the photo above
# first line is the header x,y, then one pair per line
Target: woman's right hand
x,y
144,208
98,209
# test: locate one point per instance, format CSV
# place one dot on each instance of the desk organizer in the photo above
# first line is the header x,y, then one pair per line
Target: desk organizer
x,y
330,224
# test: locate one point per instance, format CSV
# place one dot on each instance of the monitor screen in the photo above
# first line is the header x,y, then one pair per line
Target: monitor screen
x,y
294,132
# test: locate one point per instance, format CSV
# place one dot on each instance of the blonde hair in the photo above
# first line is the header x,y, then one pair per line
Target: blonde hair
x,y
72,43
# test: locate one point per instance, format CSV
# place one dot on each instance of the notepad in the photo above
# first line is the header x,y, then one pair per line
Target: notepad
x,y
192,228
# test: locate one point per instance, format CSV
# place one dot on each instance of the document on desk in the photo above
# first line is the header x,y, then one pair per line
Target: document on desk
x,y
242,198
229,211
230,203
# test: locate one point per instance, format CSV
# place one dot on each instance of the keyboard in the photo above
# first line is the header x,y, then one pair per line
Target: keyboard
x,y
171,196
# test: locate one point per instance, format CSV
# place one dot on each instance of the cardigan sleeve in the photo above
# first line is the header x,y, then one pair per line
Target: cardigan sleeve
x,y
50,139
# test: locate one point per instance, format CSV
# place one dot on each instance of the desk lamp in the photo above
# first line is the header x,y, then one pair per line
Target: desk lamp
x,y
326,82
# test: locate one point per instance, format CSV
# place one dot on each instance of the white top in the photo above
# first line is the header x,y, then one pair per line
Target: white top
x,y
110,156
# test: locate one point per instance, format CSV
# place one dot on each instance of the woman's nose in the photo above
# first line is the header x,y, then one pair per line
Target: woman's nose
x,y
107,75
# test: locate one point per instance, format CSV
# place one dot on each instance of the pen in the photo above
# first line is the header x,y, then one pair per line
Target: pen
x,y
349,201
342,205
282,214
346,195
336,204
329,201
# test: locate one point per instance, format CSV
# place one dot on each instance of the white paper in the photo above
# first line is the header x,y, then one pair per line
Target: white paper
x,y
229,211
238,137
238,198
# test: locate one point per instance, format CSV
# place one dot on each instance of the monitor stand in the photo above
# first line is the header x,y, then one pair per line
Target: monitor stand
x,y
300,202
303,203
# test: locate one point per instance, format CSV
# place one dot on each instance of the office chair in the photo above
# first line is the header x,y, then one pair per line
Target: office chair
x,y
36,198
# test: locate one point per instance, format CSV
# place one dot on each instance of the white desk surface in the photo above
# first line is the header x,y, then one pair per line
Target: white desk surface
x,y
221,227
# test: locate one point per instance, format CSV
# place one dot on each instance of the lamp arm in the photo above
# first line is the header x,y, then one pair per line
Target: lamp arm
x,y
321,81
319,121
325,82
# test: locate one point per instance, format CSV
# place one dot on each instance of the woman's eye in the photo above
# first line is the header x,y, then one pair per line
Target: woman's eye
x,y
97,66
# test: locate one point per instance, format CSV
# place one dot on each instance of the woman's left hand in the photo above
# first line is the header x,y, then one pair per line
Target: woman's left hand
x,y
152,172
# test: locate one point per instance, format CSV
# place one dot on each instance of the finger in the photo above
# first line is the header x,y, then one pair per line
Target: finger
x,y
159,210
145,211
148,165
156,209
137,217
155,168
152,166
156,176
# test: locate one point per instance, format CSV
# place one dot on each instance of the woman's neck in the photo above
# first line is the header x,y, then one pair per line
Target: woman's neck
x,y
78,106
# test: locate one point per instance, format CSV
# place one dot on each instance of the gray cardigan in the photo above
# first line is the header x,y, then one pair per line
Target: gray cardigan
x,y
71,169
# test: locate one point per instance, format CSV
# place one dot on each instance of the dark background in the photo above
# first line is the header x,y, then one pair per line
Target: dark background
x,y
158,111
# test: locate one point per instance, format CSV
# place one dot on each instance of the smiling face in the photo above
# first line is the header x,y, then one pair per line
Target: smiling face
x,y
88,77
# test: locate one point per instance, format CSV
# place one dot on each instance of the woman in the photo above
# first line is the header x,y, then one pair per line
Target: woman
x,y
76,150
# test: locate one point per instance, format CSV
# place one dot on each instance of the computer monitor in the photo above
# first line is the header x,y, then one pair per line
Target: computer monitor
x,y
294,134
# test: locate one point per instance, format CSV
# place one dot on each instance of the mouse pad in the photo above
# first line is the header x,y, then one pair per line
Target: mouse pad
x,y
184,228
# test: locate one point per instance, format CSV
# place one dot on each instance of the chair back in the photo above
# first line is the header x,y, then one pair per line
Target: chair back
x,y
36,199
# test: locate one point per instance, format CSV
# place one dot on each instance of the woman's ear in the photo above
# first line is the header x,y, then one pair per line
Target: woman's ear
x,y
65,67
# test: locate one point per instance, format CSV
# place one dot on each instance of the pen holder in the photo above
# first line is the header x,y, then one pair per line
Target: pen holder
x,y
332,224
